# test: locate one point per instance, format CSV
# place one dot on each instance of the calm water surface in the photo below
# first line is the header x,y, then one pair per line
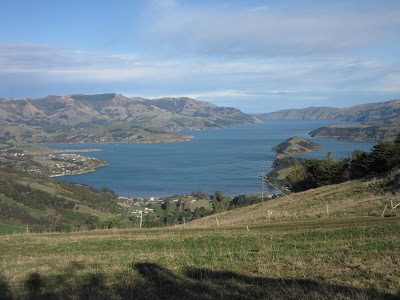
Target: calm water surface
x,y
225,159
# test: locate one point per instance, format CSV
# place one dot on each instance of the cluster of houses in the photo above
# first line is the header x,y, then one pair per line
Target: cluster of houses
x,y
145,202
72,164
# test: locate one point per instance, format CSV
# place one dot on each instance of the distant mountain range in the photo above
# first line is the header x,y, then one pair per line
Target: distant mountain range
x,y
52,118
380,120
84,111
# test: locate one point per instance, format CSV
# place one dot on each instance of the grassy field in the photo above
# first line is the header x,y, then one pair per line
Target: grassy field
x,y
201,203
6,229
85,209
355,258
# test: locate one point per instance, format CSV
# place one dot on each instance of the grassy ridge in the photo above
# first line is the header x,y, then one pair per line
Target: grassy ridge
x,y
323,261
366,197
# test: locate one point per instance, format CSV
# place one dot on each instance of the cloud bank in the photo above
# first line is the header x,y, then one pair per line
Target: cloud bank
x,y
255,57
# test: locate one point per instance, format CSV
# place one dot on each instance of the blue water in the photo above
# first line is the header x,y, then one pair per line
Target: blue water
x,y
225,159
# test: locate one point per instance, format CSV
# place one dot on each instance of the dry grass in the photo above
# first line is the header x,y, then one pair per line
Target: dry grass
x,y
86,209
349,199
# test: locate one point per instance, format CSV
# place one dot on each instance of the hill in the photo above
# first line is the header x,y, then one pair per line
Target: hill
x,y
371,131
310,113
294,146
370,112
364,197
37,200
381,120
72,112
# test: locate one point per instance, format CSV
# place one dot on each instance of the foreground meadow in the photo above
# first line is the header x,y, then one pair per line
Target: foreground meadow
x,y
327,258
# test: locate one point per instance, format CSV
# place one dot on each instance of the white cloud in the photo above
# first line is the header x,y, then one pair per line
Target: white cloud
x,y
264,32
238,80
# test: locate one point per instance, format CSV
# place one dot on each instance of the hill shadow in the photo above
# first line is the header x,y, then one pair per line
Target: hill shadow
x,y
156,282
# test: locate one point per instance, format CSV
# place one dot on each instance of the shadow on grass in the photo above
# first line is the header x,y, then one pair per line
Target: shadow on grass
x,y
156,282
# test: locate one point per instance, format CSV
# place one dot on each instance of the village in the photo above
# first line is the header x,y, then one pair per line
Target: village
x,y
67,164
51,165
155,207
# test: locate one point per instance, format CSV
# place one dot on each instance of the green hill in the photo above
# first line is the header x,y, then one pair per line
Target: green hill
x,y
45,203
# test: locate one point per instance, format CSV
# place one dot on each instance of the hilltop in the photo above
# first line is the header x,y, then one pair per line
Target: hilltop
x,y
381,120
294,146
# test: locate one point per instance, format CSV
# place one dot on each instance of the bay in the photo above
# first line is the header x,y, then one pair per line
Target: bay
x,y
228,159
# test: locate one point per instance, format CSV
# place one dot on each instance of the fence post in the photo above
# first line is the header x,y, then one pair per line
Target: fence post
x,y
383,214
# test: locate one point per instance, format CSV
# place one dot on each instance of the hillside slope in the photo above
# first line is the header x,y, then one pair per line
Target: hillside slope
x,y
30,199
352,198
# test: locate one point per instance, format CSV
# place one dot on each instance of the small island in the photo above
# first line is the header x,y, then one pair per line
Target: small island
x,y
294,146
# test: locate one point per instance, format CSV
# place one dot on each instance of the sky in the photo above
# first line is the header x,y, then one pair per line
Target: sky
x,y
258,56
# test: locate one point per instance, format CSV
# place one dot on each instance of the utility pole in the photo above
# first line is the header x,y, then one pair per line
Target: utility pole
x,y
141,219
128,212
262,186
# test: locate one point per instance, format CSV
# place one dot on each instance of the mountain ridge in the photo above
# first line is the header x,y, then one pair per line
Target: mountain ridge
x,y
84,111
369,112
380,120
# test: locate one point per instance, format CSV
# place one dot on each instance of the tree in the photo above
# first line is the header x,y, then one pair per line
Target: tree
x,y
397,140
218,197
221,207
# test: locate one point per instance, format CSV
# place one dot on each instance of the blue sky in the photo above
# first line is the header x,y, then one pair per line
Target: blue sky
x,y
259,56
